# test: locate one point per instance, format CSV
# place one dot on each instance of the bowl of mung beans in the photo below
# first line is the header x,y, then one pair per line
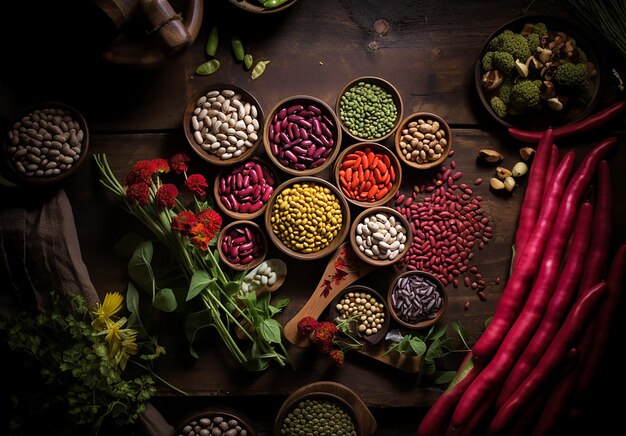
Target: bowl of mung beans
x,y
242,245
369,108
380,236
301,135
223,124
216,421
46,144
307,218
417,299
243,190
423,140
368,174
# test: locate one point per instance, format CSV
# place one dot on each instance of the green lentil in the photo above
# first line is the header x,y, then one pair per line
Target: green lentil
x,y
368,111
306,217
318,417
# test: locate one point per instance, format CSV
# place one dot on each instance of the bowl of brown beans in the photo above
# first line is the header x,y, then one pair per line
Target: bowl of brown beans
x,y
368,174
369,109
242,191
417,299
218,421
223,124
380,236
423,140
46,144
307,218
301,135
242,245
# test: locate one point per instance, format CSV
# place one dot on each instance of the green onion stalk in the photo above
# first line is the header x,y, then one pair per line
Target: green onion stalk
x,y
226,304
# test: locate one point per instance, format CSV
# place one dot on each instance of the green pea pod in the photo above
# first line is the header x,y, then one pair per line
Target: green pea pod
x,y
208,67
237,48
274,3
258,69
211,43
247,61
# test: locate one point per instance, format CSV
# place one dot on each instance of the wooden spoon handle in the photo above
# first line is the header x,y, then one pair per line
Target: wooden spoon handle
x,y
167,24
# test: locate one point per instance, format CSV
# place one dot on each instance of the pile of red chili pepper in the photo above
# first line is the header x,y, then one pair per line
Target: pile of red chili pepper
x,y
535,361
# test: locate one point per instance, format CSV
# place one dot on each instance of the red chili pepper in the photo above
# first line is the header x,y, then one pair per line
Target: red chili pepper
x,y
555,355
596,120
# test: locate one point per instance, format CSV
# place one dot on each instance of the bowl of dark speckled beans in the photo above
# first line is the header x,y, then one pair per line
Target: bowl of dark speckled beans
x,y
417,299
216,422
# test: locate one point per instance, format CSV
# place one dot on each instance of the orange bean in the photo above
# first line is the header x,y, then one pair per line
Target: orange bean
x,y
378,175
355,182
352,156
365,161
344,182
381,193
370,157
381,166
392,173
372,192
360,171
366,175
349,174
359,153
374,163
386,160
365,186
347,163
357,163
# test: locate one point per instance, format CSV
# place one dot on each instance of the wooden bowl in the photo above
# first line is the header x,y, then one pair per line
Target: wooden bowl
x,y
204,419
372,81
272,183
543,117
201,149
403,142
274,148
427,322
15,141
257,8
374,338
334,243
253,227
344,184
389,212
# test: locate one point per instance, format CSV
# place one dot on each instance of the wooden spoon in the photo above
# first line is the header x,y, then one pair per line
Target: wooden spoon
x,y
278,266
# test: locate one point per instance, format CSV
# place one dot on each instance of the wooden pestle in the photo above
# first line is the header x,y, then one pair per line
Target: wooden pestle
x,y
168,25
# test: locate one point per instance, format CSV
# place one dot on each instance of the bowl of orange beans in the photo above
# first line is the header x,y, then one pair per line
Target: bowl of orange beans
x,y
368,174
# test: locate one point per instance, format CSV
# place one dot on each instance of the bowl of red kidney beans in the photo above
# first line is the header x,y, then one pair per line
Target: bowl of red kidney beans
x,y
242,245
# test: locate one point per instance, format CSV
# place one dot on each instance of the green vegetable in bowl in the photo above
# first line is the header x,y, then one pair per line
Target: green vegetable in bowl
x,y
571,75
525,93
498,106
510,42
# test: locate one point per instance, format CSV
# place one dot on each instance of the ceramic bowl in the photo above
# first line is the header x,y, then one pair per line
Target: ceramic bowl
x,y
235,188
396,310
272,225
216,127
542,116
46,144
213,417
365,156
359,239
240,255
351,125
413,131
301,135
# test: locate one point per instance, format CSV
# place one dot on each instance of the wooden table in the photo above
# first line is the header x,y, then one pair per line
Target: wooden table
x,y
315,48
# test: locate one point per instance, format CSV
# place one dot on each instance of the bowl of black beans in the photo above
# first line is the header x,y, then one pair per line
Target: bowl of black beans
x,y
417,299
216,421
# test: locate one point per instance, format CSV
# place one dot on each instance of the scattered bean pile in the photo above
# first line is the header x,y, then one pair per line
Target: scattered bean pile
x,y
242,244
301,137
447,224
423,141
415,298
246,188
381,237
216,426
224,124
366,176
318,417
265,276
306,217
368,111
45,143
368,312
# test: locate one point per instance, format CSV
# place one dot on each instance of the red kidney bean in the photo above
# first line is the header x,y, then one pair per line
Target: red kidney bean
x,y
242,245
246,188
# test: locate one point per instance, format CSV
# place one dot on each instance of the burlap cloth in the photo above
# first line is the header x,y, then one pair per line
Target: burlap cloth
x,y
40,253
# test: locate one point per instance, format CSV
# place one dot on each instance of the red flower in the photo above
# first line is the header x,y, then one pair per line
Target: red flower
x,y
211,219
200,238
197,184
337,356
178,162
306,325
323,335
141,172
184,221
159,166
166,195
139,192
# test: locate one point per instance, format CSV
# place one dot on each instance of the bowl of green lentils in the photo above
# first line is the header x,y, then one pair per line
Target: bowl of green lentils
x,y
307,218
369,108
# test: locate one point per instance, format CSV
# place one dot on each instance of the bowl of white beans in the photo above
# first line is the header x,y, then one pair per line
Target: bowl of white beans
x,y
223,124
46,144
380,236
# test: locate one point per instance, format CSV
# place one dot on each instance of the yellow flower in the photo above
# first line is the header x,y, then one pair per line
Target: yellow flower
x,y
121,342
110,306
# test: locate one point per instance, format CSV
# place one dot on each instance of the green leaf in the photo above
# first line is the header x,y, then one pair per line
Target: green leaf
x,y
165,300
200,280
434,351
274,310
429,367
445,377
270,330
232,287
418,347
126,246
437,331
132,299
194,322
139,267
